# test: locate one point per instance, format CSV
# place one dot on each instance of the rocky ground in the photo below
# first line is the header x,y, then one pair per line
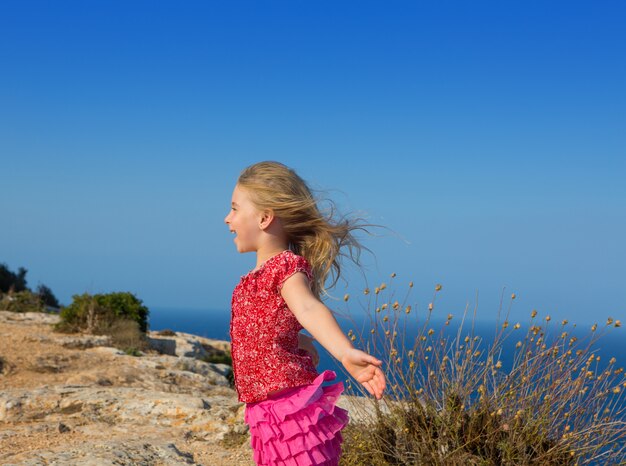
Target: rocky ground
x,y
77,400
74,400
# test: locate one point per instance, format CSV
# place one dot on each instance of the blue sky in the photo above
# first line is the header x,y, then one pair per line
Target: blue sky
x,y
489,137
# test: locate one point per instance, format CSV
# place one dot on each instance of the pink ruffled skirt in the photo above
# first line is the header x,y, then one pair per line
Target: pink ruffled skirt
x,y
300,426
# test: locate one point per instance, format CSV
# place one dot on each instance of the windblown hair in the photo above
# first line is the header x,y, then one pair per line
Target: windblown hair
x,y
319,237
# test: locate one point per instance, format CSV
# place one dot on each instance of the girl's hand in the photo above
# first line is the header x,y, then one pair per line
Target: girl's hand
x,y
366,370
305,343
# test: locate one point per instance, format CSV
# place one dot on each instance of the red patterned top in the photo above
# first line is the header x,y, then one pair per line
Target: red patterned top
x,y
264,332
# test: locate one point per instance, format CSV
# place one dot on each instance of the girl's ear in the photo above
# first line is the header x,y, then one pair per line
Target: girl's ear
x,y
266,219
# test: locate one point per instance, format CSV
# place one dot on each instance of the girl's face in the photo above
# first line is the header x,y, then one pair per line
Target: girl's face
x,y
244,221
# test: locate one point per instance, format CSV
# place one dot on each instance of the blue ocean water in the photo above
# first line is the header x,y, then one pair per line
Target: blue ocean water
x,y
215,324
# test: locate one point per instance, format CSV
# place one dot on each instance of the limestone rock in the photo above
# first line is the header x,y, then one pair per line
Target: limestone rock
x,y
186,344
85,341
142,452
28,318
66,400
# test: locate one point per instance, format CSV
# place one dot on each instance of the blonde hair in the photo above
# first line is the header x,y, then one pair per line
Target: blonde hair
x,y
320,238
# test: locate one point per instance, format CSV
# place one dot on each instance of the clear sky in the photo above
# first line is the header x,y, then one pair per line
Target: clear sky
x,y
489,137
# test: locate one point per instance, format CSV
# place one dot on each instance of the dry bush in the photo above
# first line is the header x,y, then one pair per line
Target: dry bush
x,y
21,301
453,399
126,335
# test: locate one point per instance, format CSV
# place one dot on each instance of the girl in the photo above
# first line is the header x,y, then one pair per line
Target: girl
x,y
293,418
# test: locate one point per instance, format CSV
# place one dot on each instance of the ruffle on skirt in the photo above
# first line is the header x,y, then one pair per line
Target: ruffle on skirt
x,y
298,427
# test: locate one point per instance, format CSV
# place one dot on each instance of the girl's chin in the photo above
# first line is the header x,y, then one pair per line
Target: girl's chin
x,y
240,247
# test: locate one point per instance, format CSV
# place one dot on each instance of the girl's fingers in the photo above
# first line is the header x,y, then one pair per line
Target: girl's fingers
x,y
369,388
373,360
374,382
368,359
374,390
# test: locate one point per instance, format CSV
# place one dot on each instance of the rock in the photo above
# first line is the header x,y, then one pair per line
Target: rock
x,y
50,363
144,452
66,400
5,366
187,345
63,428
206,369
106,350
28,318
86,341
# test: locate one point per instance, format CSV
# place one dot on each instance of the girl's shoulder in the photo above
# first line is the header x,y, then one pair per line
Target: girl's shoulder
x,y
288,263
280,267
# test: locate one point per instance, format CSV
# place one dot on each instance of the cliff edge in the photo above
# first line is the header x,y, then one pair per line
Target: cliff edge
x,y
75,400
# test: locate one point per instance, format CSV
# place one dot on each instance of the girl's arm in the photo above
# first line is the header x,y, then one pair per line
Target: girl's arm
x,y
317,319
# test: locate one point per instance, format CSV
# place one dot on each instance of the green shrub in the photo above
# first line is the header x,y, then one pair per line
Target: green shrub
x,y
450,400
95,314
22,301
119,315
10,280
132,351
219,359
12,284
47,297
217,356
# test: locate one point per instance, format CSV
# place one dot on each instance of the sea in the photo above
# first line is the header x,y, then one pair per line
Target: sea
x,y
212,323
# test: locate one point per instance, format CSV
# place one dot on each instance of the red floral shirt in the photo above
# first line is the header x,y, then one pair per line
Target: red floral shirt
x,y
264,332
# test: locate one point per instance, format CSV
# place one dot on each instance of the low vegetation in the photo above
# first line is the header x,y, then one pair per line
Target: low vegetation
x,y
16,296
121,315
21,301
539,393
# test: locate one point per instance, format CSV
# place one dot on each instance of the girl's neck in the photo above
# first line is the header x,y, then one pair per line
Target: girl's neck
x,y
272,241
262,255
